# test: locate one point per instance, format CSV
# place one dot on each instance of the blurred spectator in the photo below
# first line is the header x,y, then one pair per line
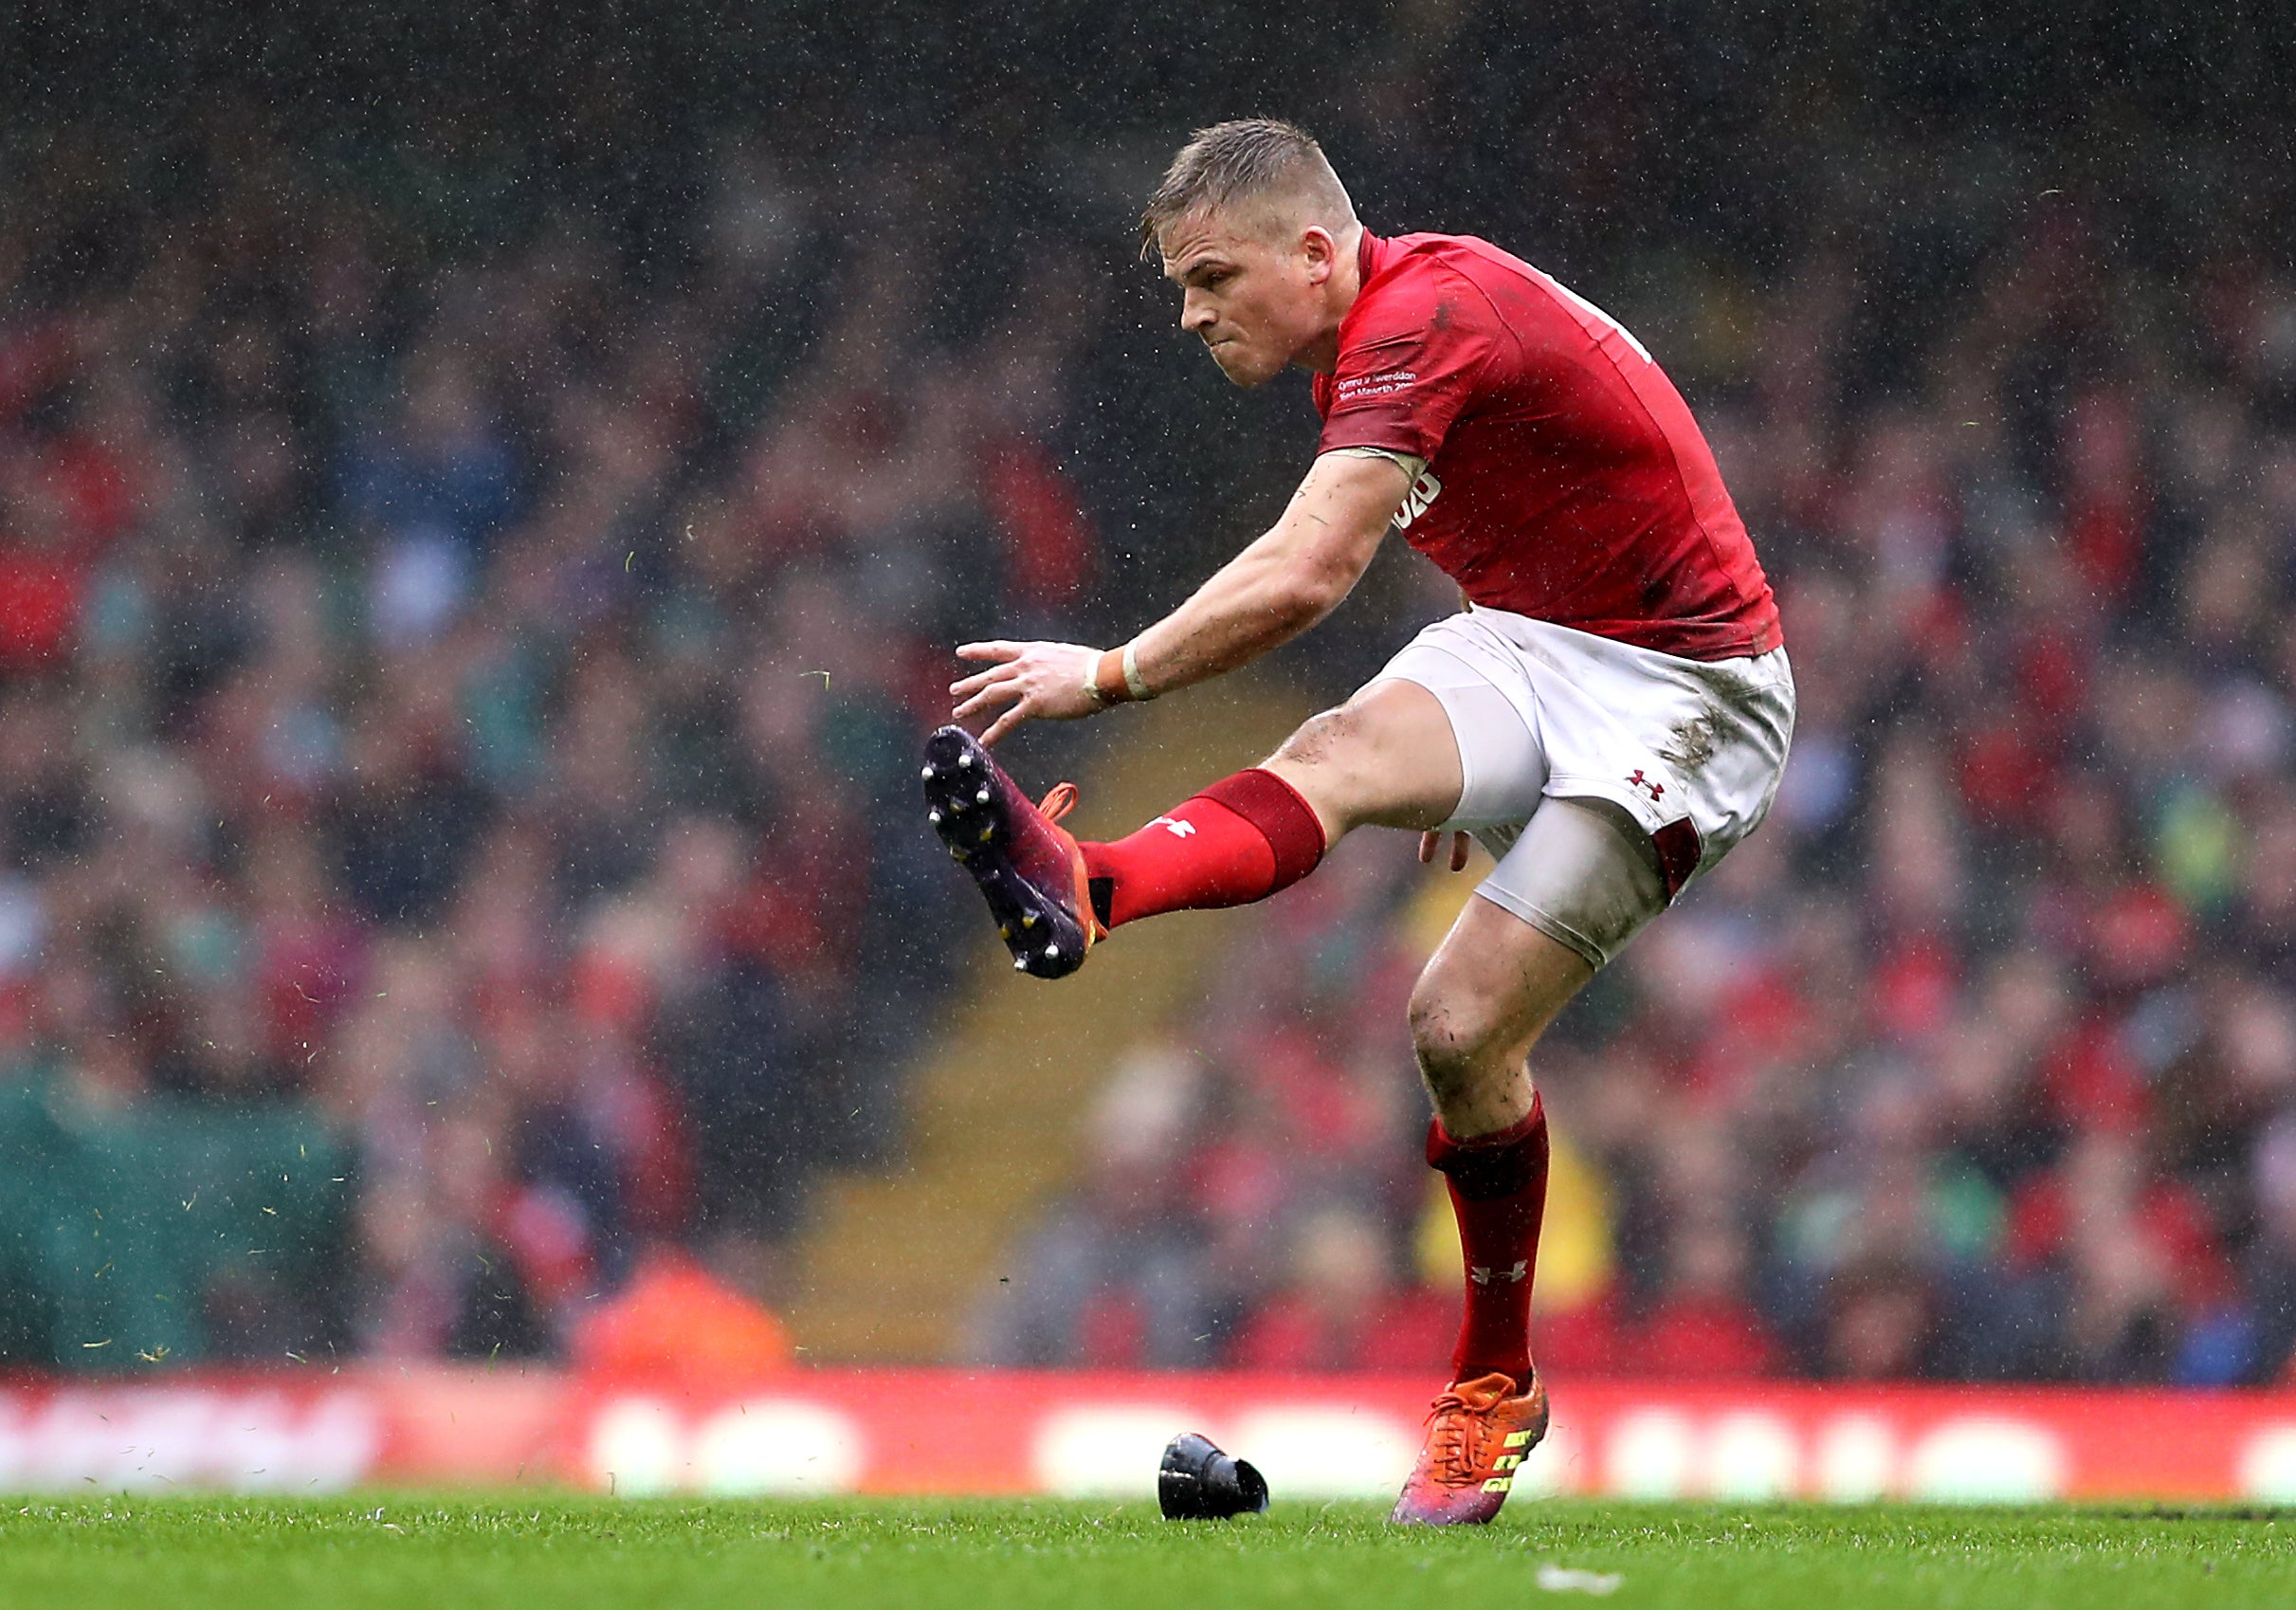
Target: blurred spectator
x,y
675,1322
1343,1307
1116,1278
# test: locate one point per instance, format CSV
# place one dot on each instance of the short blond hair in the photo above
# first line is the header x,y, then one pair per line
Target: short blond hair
x,y
1242,160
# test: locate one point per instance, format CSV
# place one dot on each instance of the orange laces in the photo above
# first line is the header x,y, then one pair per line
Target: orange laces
x,y
1451,1445
1059,802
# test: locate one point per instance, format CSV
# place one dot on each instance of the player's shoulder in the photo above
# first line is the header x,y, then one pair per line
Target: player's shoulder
x,y
1415,285
1405,265
1426,256
1451,280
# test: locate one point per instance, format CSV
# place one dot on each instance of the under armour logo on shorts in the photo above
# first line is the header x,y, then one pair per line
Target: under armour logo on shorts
x,y
1656,790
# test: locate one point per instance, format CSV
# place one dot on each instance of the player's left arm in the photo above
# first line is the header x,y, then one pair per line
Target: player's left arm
x,y
1285,582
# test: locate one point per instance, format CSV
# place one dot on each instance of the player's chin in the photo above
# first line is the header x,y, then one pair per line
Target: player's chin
x,y
1242,367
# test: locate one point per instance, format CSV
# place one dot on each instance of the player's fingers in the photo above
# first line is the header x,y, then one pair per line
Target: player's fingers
x,y
979,680
997,650
1006,723
1458,852
1427,847
987,699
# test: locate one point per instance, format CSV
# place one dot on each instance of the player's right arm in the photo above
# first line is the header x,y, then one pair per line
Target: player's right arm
x,y
1285,582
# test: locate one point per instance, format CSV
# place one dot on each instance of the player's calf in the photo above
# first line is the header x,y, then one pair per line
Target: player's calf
x,y
1241,840
1495,1411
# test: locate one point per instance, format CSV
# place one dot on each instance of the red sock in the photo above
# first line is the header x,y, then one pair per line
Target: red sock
x,y
1240,840
1497,1186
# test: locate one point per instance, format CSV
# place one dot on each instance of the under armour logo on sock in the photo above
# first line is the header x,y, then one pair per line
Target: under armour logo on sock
x,y
1483,1276
1178,830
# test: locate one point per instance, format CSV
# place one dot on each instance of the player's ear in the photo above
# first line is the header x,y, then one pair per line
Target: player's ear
x,y
1319,252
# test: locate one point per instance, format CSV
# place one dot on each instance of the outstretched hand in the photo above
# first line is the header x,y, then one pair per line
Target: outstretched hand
x,y
1038,681
1431,842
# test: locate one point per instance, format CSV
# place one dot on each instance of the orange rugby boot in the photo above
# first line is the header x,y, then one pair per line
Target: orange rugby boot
x,y
1477,1436
1028,866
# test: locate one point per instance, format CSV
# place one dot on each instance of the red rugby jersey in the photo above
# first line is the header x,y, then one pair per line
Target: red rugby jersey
x,y
1565,479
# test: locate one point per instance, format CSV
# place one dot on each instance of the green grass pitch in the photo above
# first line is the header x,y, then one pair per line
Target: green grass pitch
x,y
568,1553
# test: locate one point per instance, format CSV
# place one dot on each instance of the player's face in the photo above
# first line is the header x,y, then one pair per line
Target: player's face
x,y
1251,299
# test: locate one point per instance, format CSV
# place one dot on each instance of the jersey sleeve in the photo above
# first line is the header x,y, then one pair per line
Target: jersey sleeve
x,y
1411,359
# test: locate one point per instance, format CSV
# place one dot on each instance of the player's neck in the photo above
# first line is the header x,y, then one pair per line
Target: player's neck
x,y
1322,356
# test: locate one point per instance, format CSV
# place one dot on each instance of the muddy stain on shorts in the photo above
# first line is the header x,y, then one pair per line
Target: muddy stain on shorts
x,y
1692,743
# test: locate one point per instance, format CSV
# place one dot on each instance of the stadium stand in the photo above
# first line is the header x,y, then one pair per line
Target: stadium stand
x,y
468,599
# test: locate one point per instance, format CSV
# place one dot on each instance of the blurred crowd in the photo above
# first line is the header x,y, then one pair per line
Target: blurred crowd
x,y
1979,1060
469,692
472,578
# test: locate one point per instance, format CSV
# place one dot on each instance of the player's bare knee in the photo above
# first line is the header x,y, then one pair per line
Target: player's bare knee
x,y
1453,1042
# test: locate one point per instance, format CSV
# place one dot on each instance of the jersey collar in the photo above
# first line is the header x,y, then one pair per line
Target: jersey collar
x,y
1371,256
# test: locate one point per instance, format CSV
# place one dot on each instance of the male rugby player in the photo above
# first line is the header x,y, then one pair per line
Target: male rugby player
x,y
1608,716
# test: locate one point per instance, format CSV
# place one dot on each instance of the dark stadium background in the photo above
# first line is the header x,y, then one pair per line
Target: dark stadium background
x,y
485,500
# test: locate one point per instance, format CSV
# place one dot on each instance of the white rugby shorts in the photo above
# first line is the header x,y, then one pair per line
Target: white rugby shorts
x,y
1663,762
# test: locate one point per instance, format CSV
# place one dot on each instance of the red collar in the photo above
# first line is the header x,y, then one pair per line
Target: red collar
x,y
1371,254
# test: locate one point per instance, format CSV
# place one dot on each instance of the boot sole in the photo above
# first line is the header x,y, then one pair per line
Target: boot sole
x,y
973,822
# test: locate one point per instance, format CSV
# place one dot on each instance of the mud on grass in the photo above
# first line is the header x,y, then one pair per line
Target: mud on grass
x,y
566,1552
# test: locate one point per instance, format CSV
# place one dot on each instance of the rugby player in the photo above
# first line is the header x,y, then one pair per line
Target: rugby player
x,y
1608,715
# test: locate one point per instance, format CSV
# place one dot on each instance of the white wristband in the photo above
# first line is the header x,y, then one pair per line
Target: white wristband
x,y
1133,683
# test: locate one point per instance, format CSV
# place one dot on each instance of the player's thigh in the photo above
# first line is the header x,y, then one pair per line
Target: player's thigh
x,y
1584,873
1384,759
1432,741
